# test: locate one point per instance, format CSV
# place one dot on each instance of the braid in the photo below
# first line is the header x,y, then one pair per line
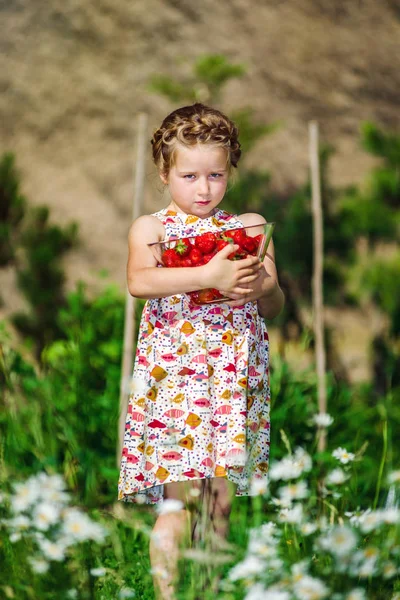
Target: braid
x,y
191,125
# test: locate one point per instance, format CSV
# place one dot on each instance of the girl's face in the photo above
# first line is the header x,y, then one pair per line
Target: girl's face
x,y
198,180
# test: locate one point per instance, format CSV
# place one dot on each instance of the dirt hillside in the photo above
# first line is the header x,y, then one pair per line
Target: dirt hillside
x,y
74,76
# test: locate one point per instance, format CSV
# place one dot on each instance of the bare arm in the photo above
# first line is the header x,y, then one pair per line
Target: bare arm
x,y
146,280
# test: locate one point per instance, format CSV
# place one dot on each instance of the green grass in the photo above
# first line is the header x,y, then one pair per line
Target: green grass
x,y
62,418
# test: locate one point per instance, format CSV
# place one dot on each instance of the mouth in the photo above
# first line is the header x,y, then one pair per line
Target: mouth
x,y
203,202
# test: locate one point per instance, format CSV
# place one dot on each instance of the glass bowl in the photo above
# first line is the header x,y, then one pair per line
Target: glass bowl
x,y
194,251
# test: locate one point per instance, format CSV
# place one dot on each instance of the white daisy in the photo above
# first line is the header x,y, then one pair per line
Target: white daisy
x,y
269,530
299,569
367,569
78,527
98,572
50,482
356,594
390,516
250,567
302,459
291,515
369,520
261,548
45,515
126,593
394,477
308,528
323,420
258,592
342,455
259,487
26,494
294,491
282,502
389,570
19,523
336,477
310,588
52,550
169,506
284,469
38,565
340,540
291,467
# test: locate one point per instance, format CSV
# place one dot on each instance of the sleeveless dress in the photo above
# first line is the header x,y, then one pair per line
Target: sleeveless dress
x,y
199,401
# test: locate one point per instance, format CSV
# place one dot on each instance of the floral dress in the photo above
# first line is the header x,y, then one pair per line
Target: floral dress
x,y
200,398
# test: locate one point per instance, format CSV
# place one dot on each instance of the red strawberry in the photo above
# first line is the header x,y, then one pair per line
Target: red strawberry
x,y
208,257
205,242
183,247
206,296
221,244
196,257
238,235
258,238
249,244
194,296
170,258
185,262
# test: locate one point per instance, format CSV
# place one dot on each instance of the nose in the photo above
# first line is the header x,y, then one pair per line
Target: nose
x,y
203,185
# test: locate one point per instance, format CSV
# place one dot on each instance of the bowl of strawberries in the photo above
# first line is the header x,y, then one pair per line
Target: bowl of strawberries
x,y
194,251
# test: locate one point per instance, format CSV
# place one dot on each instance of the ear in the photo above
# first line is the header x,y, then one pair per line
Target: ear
x,y
163,177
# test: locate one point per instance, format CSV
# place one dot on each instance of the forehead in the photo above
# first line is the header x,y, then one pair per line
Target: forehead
x,y
200,156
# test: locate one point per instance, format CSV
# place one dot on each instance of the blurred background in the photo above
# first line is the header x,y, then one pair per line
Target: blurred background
x,y
74,76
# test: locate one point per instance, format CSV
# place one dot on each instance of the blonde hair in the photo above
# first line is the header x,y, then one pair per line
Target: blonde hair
x,y
191,125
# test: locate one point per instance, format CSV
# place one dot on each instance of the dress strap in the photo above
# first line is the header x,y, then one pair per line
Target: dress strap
x,y
171,222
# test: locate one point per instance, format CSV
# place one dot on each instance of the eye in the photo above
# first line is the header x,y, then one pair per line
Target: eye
x,y
216,175
186,176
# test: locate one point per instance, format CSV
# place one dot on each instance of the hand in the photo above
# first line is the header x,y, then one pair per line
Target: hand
x,y
231,276
261,286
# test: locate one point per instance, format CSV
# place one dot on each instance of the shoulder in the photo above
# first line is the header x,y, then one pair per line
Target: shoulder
x,y
146,228
249,219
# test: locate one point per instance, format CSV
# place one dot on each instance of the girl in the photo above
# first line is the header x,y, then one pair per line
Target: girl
x,y
198,416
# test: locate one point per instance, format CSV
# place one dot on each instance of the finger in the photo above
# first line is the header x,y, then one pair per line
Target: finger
x,y
236,294
251,270
242,291
248,273
250,261
248,279
227,250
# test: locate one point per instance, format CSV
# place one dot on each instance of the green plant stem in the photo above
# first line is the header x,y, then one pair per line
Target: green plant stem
x,y
382,464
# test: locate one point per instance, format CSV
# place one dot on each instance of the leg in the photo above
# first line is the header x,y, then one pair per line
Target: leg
x,y
214,507
210,525
209,501
168,534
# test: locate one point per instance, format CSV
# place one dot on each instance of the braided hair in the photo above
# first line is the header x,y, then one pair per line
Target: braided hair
x,y
191,125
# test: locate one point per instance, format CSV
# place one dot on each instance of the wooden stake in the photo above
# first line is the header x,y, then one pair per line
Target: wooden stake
x,y
318,306
130,302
